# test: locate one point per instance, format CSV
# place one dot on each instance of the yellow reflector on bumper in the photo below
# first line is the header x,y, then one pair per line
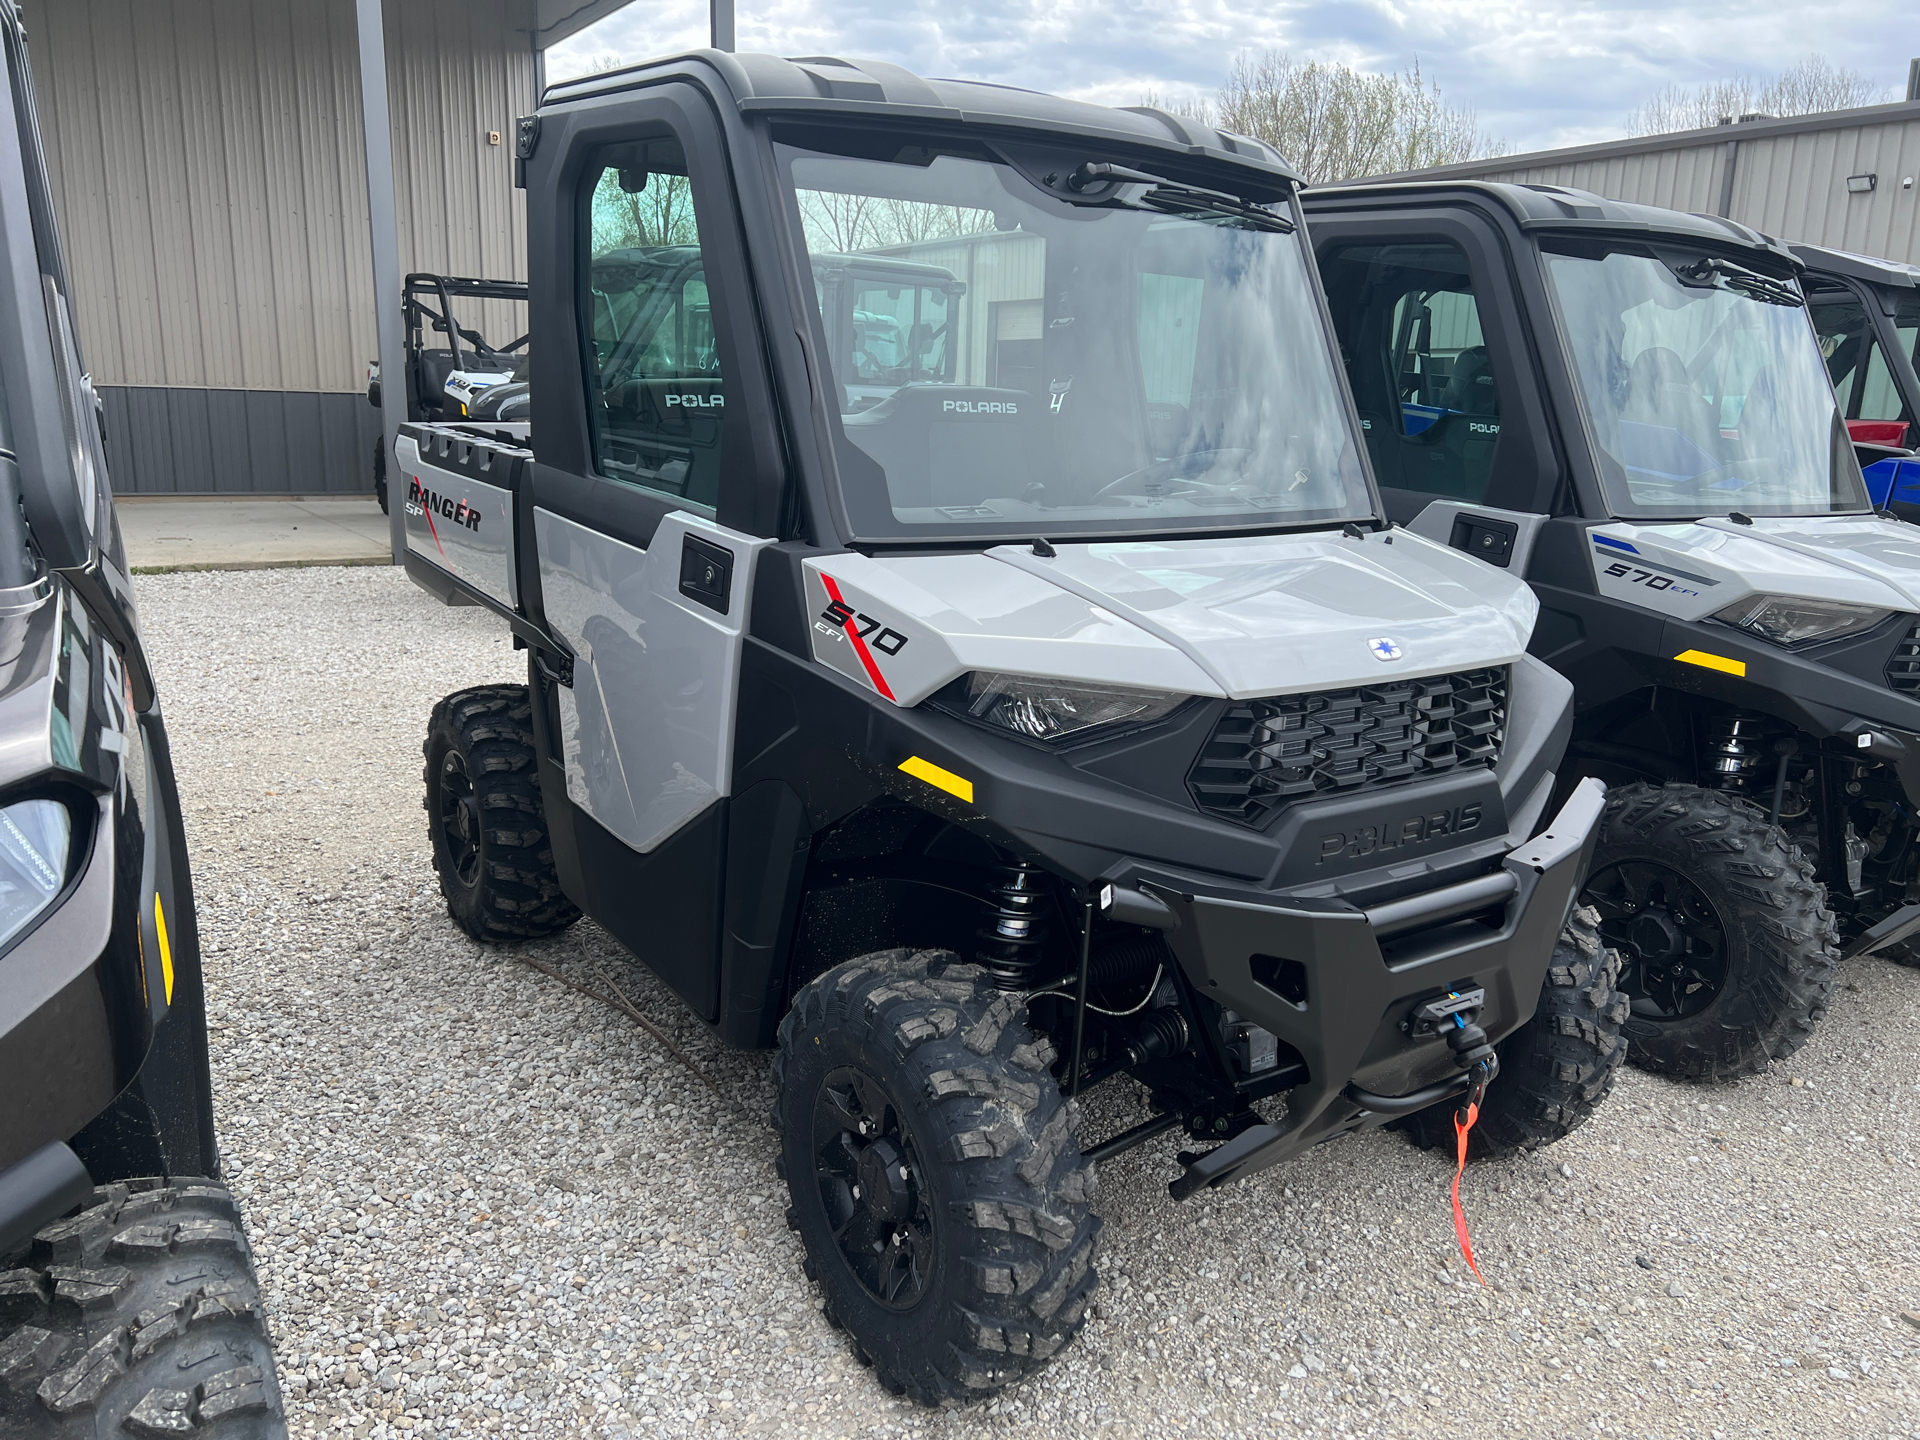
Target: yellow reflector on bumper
x,y
166,948
940,779
1712,662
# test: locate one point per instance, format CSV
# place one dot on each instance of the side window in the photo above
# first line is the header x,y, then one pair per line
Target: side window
x,y
655,396
1416,355
1879,396
1862,381
1906,329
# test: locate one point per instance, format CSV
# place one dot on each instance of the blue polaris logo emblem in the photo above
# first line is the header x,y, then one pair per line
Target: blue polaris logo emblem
x,y
1384,649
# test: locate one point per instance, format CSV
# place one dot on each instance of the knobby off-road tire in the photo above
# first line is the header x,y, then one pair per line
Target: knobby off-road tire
x,y
484,814
138,1316
987,1242
1779,941
1555,1069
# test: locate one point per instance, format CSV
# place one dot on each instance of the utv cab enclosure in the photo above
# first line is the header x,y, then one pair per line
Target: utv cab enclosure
x,y
967,652
128,1304
1867,315
1627,406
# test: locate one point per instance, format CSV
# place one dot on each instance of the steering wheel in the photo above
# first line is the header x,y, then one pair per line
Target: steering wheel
x,y
1180,468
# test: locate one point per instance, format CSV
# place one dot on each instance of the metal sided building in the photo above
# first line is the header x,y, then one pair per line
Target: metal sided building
x,y
1847,179
210,179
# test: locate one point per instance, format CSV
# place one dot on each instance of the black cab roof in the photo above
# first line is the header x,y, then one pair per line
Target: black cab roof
x,y
825,85
1556,207
1870,268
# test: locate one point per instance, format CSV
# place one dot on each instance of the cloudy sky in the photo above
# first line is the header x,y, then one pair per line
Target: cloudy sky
x,y
1537,76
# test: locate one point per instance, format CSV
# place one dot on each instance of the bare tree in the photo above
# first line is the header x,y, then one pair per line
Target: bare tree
x,y
841,222
659,213
1335,123
1814,85
836,222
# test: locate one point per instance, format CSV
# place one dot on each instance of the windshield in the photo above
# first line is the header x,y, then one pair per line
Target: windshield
x,y
1008,364
1704,386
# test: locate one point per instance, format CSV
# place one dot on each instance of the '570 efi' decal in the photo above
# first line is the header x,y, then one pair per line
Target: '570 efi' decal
x,y
888,642
1652,579
845,623
1611,559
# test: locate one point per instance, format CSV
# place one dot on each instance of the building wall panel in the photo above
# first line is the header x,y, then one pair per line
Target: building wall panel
x,y
1790,177
1677,179
1796,186
238,442
211,190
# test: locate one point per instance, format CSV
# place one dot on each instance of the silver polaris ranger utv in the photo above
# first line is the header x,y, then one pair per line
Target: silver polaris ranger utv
x,y
1628,407
967,653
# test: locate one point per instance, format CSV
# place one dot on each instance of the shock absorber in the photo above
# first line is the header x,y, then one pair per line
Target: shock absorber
x,y
1014,946
1735,747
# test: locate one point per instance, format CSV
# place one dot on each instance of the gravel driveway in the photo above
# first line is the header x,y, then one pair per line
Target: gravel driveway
x,y
485,1203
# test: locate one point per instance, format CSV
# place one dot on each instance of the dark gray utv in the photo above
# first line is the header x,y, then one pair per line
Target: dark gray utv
x,y
1628,407
967,654
128,1304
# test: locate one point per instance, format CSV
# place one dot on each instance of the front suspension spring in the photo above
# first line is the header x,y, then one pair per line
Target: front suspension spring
x,y
1735,748
1014,946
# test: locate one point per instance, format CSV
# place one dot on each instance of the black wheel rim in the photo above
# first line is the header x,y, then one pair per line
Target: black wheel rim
x,y
1671,938
460,818
872,1188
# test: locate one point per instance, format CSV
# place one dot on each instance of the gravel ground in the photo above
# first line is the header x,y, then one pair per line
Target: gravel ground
x,y
484,1203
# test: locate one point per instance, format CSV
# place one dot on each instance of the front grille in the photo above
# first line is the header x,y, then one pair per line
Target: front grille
x,y
1267,753
1903,670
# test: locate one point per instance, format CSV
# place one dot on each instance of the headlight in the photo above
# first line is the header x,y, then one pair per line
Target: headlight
x,y
1054,709
1792,620
34,836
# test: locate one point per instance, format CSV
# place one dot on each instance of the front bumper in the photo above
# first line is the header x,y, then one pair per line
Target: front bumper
x,y
1359,972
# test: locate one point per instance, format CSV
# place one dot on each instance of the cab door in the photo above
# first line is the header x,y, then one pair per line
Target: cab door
x,y
1434,354
1866,371
651,489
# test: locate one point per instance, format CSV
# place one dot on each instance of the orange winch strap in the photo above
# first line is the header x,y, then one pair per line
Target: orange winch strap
x,y
1459,1215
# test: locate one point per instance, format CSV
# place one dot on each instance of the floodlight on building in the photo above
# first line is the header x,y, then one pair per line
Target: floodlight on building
x,y
1862,184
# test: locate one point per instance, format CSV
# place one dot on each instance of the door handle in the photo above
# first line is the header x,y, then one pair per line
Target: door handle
x,y
706,573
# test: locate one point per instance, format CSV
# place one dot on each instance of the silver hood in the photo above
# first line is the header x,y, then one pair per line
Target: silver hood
x,y
1264,615
1710,564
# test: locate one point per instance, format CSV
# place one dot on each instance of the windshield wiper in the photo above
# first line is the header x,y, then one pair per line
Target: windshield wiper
x,y
1710,273
1171,197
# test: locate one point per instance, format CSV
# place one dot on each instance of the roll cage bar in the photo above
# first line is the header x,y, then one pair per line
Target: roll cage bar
x,y
417,306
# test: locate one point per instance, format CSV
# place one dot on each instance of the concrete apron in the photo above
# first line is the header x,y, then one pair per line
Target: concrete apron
x,y
253,532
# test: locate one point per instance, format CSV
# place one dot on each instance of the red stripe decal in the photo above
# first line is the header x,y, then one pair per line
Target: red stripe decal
x,y
427,510
859,644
